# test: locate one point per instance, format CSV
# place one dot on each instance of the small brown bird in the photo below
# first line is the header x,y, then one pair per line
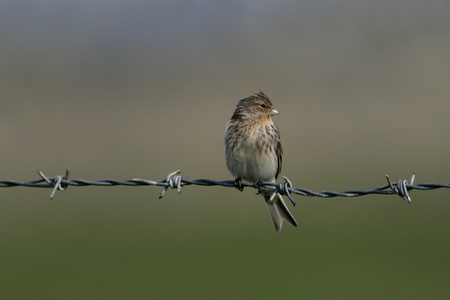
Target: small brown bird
x,y
253,151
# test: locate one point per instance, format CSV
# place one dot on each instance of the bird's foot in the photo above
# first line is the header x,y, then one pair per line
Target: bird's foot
x,y
238,184
258,184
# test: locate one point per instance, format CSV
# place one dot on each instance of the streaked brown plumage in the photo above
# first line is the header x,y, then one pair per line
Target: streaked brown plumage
x,y
253,150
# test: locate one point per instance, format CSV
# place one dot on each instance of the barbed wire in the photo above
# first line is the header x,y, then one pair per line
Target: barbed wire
x,y
176,181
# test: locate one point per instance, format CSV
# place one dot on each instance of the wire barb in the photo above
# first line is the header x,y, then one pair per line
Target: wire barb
x,y
174,181
284,189
56,182
400,187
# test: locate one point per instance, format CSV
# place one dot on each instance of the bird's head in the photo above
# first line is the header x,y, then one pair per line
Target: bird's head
x,y
257,106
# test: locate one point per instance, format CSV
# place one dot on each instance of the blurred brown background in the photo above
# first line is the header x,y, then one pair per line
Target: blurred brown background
x,y
126,89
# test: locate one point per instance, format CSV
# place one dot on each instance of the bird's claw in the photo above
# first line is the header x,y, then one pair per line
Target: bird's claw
x,y
258,184
238,184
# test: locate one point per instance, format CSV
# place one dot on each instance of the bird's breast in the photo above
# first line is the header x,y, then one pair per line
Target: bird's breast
x,y
251,151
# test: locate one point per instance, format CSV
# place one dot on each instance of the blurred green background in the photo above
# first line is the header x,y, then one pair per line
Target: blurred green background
x,y
137,89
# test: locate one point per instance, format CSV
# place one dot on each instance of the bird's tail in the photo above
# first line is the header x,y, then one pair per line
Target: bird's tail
x,y
278,210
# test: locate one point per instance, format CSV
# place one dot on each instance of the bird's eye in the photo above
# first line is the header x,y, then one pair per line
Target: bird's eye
x,y
263,105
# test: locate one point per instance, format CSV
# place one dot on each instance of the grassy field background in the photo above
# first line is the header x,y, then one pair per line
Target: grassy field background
x,y
120,89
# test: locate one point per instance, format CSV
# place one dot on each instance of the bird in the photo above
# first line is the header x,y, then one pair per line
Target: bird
x,y
253,151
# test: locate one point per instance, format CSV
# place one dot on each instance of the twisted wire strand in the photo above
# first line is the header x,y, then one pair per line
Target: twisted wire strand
x,y
175,181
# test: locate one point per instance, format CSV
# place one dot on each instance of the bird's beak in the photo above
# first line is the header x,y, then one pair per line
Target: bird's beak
x,y
273,112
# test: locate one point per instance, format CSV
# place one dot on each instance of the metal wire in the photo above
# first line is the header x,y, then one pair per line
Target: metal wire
x,y
175,181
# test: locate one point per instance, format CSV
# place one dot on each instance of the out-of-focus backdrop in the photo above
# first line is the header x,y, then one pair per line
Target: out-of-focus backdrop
x,y
134,89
